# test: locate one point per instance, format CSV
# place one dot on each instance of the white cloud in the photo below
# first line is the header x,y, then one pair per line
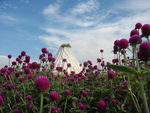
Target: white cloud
x,y
3,61
5,17
52,9
87,41
85,7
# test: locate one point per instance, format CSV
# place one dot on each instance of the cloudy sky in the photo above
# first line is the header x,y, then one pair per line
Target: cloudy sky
x,y
88,25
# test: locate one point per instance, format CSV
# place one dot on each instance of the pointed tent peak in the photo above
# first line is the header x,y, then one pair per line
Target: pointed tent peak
x,y
66,45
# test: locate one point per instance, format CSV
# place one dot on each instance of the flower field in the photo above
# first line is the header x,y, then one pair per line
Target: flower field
x,y
122,86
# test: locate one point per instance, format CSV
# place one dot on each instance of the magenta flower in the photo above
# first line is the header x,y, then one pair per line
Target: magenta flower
x,y
111,74
117,43
44,50
1,100
67,92
22,79
138,25
55,96
124,43
114,101
82,106
99,60
101,105
85,93
146,30
101,50
27,59
23,53
134,32
9,56
75,100
30,106
144,51
34,65
29,97
135,39
42,83
16,110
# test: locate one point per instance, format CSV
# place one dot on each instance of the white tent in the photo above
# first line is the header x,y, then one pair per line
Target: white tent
x,y
65,52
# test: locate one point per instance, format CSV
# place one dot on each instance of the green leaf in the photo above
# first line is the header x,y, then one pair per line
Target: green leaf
x,y
123,69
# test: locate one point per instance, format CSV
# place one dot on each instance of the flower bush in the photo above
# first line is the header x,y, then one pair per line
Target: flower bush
x,y
122,86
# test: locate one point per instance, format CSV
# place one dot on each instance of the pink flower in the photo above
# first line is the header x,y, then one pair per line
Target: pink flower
x,y
55,96
44,50
23,53
29,97
135,39
114,101
42,83
101,105
67,92
82,106
30,106
1,100
85,93
144,51
111,74
124,43
134,32
9,56
138,25
146,30
22,79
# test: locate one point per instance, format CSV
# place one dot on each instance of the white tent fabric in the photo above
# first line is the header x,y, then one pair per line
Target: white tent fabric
x,y
66,53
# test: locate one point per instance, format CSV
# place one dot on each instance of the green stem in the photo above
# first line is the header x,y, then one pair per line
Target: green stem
x,y
65,106
41,104
144,98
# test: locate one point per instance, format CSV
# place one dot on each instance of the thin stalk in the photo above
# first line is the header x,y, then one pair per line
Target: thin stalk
x,y
41,104
144,98
65,105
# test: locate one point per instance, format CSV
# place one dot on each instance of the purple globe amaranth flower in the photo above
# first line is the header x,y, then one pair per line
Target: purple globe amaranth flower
x,y
55,96
99,60
23,53
82,106
101,50
29,97
75,100
144,51
14,63
44,50
9,56
124,43
111,74
117,43
134,32
27,59
145,30
67,92
138,25
42,83
1,100
101,105
34,65
30,106
16,110
114,101
85,93
135,39
22,79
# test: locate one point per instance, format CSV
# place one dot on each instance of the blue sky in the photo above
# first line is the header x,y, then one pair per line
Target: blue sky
x,y
88,25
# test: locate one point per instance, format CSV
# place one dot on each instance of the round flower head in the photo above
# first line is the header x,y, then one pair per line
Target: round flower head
x,y
111,74
138,25
117,43
82,106
134,32
101,105
146,30
23,53
44,50
42,83
124,43
1,100
144,51
55,96
67,92
9,56
135,39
